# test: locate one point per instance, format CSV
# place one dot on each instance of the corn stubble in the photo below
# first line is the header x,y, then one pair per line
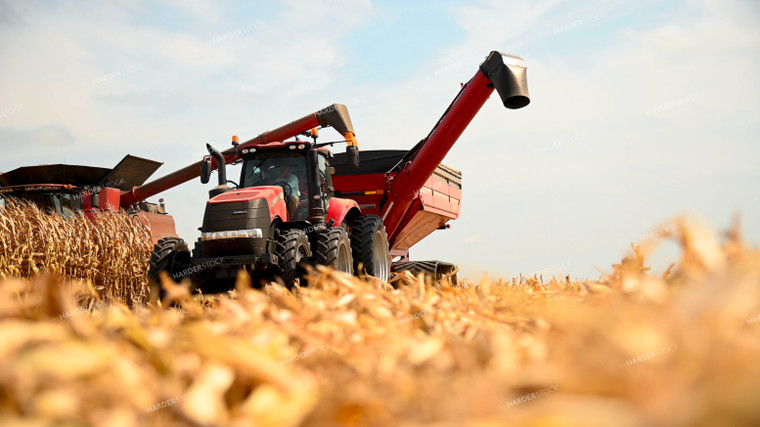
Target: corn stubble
x,y
346,351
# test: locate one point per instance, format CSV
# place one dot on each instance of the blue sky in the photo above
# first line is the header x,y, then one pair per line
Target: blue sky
x,y
641,110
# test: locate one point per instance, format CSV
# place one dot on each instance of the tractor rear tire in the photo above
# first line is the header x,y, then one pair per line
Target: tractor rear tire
x,y
172,256
334,250
369,244
292,249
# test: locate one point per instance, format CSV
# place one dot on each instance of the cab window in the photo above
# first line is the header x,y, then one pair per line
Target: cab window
x,y
325,179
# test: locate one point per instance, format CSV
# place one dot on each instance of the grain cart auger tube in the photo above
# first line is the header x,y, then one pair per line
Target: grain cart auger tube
x,y
288,211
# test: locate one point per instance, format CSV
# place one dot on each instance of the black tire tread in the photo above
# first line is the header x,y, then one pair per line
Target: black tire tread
x,y
161,259
286,249
363,233
328,244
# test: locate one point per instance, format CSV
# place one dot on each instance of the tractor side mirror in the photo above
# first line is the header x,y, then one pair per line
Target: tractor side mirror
x,y
205,169
353,156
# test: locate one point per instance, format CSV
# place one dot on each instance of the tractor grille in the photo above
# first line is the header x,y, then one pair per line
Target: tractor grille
x,y
236,216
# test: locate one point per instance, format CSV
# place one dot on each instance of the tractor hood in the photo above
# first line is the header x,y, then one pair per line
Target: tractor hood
x,y
273,195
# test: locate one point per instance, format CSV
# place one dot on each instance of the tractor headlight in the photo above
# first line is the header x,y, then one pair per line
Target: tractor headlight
x,y
252,233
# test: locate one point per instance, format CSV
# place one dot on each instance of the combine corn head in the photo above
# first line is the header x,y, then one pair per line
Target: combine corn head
x,y
67,189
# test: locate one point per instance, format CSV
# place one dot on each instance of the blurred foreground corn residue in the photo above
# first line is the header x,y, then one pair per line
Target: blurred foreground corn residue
x,y
629,349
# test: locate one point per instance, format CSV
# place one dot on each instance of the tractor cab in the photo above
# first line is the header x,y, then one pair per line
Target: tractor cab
x,y
298,168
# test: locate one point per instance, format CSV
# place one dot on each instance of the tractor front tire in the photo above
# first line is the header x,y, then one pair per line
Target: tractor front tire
x,y
369,243
334,250
292,250
172,256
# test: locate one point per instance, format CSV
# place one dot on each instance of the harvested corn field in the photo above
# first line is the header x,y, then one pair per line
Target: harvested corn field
x,y
630,348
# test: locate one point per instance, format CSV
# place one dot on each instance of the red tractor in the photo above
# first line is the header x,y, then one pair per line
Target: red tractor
x,y
291,207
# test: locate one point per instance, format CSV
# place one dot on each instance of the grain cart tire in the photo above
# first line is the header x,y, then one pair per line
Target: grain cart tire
x,y
334,250
172,256
292,249
369,244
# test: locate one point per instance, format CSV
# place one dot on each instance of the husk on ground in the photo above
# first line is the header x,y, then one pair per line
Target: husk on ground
x,y
347,351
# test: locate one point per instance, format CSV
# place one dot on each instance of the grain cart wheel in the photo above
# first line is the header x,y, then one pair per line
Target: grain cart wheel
x,y
172,256
369,244
292,249
334,250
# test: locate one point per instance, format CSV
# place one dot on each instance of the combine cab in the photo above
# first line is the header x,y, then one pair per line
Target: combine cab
x,y
298,204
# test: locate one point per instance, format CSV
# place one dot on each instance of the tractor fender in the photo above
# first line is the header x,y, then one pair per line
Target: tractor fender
x,y
341,210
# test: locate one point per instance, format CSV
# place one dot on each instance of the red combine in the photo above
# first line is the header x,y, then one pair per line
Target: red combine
x,y
67,189
296,203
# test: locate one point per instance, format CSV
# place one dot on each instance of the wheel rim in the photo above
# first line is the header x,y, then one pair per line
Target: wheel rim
x,y
344,261
301,253
380,263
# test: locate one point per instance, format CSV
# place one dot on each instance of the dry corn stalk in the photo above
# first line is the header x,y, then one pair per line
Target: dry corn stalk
x,y
111,252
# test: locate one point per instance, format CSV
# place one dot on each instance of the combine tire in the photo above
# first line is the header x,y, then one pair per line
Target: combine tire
x,y
172,256
292,249
334,250
369,244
